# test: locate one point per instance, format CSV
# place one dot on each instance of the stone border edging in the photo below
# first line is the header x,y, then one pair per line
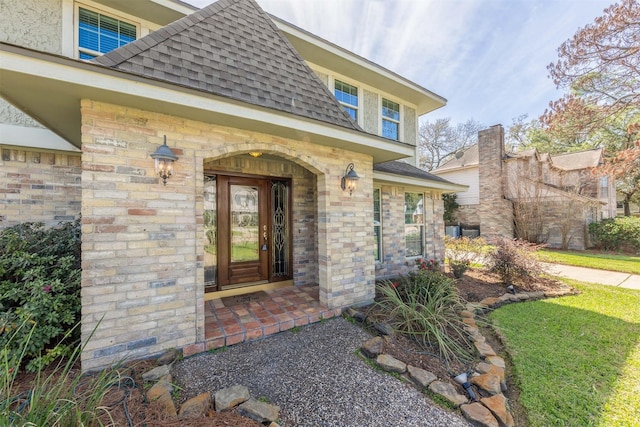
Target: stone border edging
x,y
490,410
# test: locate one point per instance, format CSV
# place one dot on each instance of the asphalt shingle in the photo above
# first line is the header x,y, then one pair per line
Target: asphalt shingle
x,y
232,48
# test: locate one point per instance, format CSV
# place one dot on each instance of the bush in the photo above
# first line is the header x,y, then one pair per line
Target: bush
x,y
40,286
615,233
514,260
424,305
461,252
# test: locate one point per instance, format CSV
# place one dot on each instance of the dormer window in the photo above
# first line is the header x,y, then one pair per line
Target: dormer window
x,y
390,119
99,34
347,95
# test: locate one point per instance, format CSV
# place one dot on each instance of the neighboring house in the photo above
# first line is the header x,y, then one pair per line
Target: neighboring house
x,y
266,121
547,198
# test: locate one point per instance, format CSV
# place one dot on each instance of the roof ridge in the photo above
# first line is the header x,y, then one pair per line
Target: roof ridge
x,y
233,49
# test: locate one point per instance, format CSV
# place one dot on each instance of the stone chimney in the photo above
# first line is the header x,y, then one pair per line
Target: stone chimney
x,y
496,212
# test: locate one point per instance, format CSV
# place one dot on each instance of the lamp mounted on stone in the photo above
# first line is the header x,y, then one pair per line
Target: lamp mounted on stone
x,y
164,158
350,179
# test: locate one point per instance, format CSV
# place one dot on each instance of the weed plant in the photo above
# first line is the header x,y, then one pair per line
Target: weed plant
x,y
514,261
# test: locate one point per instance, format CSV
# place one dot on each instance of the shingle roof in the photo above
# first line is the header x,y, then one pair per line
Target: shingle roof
x,y
578,160
405,169
232,48
468,158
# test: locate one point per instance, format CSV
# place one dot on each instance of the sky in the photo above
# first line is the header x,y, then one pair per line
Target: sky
x,y
488,58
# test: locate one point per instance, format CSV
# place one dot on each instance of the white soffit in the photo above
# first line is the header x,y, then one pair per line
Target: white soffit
x,y
49,88
22,136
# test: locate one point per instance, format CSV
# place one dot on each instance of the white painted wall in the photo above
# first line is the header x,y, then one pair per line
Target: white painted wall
x,y
469,176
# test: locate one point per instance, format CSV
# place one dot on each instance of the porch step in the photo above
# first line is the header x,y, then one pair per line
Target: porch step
x,y
283,309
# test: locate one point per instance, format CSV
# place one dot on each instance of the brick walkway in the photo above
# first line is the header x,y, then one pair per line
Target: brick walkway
x,y
282,309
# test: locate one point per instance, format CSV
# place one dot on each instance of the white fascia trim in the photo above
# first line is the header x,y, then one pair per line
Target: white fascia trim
x,y
456,169
98,77
337,50
21,136
417,182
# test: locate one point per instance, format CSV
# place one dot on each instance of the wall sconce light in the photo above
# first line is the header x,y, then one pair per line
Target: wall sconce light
x,y
164,158
255,154
350,179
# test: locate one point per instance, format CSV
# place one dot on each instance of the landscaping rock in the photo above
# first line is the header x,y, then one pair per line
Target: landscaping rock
x,y
159,388
484,349
391,364
230,397
448,392
495,360
479,415
469,321
466,313
373,347
489,302
498,406
260,411
488,368
384,328
168,357
196,406
156,373
488,382
356,314
161,393
420,376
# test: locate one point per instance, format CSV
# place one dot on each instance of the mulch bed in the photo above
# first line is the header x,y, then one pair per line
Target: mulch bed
x,y
474,286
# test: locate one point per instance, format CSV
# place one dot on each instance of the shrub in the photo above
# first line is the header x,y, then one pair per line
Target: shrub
x,y
514,260
461,252
40,286
616,233
450,207
424,305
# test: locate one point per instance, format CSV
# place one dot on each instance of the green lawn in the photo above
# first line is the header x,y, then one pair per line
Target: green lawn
x,y
603,261
576,359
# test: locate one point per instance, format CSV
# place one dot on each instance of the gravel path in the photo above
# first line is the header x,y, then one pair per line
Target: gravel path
x,y
316,379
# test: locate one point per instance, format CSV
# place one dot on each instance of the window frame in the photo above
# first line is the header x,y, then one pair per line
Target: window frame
x,y
385,118
420,225
76,28
347,105
378,227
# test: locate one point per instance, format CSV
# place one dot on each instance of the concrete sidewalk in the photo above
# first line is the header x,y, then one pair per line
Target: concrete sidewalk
x,y
592,275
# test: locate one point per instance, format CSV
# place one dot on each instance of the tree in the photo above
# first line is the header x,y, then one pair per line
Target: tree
x,y
439,140
525,135
600,69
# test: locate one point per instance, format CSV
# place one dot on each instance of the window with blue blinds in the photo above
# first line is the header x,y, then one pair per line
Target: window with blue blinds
x,y
98,34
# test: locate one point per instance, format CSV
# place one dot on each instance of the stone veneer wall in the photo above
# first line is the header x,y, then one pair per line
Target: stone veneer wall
x,y
143,276
496,212
394,261
39,187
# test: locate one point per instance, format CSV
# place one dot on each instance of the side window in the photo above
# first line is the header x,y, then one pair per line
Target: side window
x,y
347,95
414,224
390,119
98,33
377,224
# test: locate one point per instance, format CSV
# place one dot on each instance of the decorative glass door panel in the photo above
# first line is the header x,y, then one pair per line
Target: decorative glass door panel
x,y
245,232
210,233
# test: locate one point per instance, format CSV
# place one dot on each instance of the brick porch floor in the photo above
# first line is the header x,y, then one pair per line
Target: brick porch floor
x,y
282,309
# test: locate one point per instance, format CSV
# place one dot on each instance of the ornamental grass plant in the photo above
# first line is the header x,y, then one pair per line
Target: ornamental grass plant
x,y
56,396
424,306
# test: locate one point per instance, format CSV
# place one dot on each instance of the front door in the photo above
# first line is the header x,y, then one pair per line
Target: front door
x,y
246,231
243,224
